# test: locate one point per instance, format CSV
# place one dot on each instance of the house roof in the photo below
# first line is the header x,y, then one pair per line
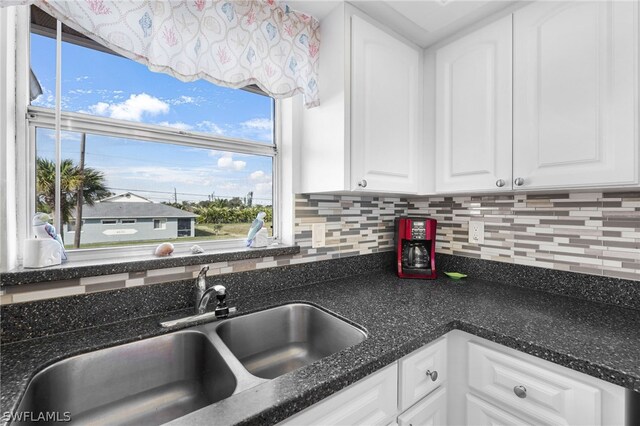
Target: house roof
x,y
131,210
128,197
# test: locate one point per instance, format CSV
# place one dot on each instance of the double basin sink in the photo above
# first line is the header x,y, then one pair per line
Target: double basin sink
x,y
159,379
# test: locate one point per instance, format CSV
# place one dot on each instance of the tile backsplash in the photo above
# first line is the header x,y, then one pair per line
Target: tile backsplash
x,y
592,233
354,226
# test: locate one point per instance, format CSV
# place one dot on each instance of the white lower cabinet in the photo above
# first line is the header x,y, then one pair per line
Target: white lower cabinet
x,y
477,382
430,411
370,401
541,393
481,413
421,372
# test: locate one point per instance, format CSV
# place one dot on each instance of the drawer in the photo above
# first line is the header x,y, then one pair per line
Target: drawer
x,y
481,413
431,410
550,397
371,401
414,381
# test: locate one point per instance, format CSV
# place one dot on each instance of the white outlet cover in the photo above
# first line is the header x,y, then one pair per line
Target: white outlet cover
x,y
476,232
317,235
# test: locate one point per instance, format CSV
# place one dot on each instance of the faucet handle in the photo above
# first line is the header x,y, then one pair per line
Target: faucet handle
x,y
220,290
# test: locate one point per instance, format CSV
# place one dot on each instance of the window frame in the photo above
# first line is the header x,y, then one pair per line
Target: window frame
x,y
162,224
84,123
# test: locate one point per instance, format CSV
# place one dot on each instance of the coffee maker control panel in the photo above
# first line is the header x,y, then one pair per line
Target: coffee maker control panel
x,y
418,231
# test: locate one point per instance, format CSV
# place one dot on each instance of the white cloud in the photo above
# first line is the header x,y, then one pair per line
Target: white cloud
x,y
47,99
132,109
177,125
258,124
255,129
227,162
64,136
182,100
81,92
82,77
210,127
257,175
263,190
131,176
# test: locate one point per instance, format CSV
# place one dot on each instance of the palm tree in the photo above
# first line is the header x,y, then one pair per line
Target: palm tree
x,y
72,178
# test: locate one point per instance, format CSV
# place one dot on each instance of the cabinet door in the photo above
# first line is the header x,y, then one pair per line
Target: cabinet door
x,y
481,413
371,401
414,381
549,397
574,93
473,111
385,110
431,411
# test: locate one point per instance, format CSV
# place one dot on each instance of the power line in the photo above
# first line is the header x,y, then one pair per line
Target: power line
x,y
171,193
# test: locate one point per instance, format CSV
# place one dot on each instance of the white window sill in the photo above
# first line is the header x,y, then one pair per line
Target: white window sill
x,y
135,259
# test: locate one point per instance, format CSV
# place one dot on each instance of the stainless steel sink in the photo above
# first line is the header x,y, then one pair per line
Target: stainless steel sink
x,y
147,382
156,380
278,340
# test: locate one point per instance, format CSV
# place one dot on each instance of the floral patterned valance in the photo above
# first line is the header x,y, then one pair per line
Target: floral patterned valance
x,y
231,43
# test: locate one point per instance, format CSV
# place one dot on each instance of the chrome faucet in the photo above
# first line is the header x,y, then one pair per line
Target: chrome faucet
x,y
203,294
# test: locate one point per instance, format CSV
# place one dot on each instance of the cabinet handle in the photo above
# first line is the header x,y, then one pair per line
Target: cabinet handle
x,y
519,181
520,391
362,183
500,183
433,375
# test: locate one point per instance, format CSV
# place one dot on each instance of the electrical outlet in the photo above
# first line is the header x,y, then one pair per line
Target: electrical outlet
x,y
476,232
317,235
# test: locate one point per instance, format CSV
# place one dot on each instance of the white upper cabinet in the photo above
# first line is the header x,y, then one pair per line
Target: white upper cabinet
x,y
575,94
566,117
365,135
473,111
385,110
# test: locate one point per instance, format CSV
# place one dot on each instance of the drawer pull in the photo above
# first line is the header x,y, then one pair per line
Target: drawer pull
x,y
433,375
520,391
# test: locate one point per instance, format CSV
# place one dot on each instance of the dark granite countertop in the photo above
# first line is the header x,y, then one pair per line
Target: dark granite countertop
x,y
80,269
401,315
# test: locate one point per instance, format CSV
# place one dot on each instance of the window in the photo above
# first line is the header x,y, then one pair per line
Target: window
x,y
71,226
192,160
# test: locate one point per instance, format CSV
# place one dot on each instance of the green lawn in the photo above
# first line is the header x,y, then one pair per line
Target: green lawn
x,y
204,232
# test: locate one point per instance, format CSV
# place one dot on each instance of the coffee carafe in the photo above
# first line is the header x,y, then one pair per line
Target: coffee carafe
x,y
417,255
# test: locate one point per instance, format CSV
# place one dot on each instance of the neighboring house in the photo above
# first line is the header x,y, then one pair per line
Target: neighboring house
x,y
130,217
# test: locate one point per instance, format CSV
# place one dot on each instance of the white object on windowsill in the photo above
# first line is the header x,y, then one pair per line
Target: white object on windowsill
x,y
41,252
261,239
196,249
164,249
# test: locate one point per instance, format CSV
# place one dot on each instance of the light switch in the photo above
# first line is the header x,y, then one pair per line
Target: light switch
x,y
476,232
317,235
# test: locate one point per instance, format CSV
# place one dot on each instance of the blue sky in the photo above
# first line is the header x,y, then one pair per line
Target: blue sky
x,y
101,84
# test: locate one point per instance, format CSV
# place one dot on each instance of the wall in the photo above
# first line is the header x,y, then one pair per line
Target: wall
x,y
592,233
8,246
93,231
354,225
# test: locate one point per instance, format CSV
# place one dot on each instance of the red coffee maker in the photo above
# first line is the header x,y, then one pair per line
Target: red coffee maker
x,y
416,247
